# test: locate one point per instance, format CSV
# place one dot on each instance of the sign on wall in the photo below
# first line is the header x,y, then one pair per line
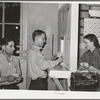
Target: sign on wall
x,y
92,26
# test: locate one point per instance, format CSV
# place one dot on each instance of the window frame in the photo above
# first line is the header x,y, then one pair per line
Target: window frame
x,y
3,23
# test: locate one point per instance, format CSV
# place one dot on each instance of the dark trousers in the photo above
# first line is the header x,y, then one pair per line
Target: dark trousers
x,y
39,84
11,86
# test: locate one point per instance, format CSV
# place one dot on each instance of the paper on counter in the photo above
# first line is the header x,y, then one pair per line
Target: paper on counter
x,y
59,74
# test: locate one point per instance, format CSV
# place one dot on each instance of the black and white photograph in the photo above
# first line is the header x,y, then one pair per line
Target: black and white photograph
x,y
50,48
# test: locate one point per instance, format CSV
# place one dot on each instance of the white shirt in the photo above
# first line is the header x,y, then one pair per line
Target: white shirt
x,y
9,68
37,64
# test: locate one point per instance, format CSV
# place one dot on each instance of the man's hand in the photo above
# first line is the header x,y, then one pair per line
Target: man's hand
x,y
18,79
54,57
10,78
59,54
60,59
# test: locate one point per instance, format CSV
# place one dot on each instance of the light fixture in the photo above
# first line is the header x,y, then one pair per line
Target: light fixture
x,y
94,13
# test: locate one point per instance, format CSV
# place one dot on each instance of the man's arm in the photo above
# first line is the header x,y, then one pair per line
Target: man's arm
x,y
8,78
45,64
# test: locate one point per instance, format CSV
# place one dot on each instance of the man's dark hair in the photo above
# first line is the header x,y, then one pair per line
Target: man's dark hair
x,y
38,32
5,40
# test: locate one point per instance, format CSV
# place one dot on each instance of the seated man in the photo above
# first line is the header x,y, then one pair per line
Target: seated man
x,y
10,72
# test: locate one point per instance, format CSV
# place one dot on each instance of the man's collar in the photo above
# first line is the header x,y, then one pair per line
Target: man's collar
x,y
4,57
36,47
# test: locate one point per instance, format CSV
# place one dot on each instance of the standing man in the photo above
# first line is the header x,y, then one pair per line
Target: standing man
x,y
10,72
37,64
